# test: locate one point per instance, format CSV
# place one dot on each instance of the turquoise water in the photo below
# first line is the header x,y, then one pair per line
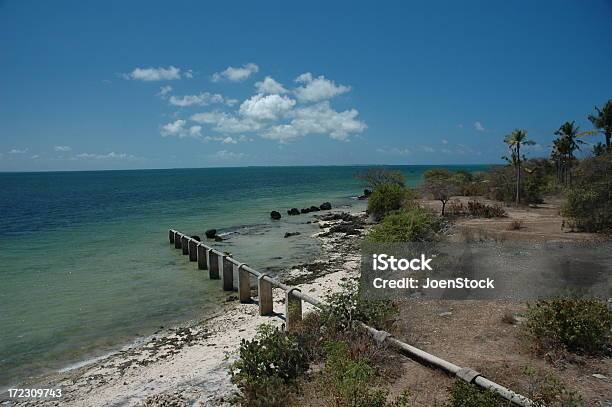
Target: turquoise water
x,y
85,263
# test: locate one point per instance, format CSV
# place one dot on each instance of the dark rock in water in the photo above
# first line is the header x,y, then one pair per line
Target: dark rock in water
x,y
366,194
289,234
218,239
305,210
211,233
314,209
231,298
275,215
325,206
347,217
196,237
293,211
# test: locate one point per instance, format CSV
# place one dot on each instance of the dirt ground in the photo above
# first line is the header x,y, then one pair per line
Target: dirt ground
x,y
486,335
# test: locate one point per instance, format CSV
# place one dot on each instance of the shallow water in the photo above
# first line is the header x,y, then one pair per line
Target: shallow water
x,y
85,263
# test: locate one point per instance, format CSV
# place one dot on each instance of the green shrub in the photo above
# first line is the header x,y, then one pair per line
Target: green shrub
x,y
579,325
415,224
387,198
271,360
481,210
545,389
589,200
348,305
463,394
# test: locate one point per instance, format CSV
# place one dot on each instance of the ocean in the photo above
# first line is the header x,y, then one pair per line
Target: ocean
x,y
85,262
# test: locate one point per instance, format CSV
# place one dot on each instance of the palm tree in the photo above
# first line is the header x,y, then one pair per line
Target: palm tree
x,y
602,120
565,145
515,140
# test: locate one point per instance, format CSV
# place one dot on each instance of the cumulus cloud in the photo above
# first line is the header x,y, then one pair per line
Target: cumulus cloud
x,y
318,119
478,126
266,107
444,141
154,74
35,157
164,91
269,85
201,99
62,149
427,149
18,151
109,156
227,155
227,123
178,128
233,74
317,89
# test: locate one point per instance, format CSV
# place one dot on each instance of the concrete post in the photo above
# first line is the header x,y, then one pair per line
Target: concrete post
x,y
213,265
244,284
264,289
185,244
228,273
193,250
293,309
202,262
177,240
171,235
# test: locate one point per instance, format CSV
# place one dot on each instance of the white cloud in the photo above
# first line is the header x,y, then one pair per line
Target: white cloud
x,y
17,151
317,89
202,99
163,91
179,129
318,119
460,125
268,107
62,148
227,123
427,149
394,151
227,155
109,156
269,85
444,141
236,74
478,126
35,157
154,74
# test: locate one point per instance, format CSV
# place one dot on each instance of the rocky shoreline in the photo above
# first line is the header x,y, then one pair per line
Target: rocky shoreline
x,y
187,365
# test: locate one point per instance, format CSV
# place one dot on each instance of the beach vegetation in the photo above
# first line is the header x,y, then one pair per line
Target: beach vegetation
x,y
589,199
442,184
411,225
387,198
377,176
463,394
573,324
602,121
515,140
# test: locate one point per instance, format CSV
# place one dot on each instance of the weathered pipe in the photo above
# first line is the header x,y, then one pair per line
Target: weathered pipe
x,y
465,374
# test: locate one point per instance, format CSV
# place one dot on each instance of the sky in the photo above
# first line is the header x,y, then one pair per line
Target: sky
x,y
151,84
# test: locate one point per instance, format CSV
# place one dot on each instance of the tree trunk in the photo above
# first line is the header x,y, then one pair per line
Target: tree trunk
x,y
518,174
443,206
608,146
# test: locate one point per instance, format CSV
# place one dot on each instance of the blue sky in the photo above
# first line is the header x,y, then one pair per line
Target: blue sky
x,y
117,85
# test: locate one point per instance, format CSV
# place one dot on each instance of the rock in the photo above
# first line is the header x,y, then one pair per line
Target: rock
x,y
599,376
366,194
314,208
231,298
211,233
325,206
196,237
275,215
218,239
293,211
289,234
305,210
445,314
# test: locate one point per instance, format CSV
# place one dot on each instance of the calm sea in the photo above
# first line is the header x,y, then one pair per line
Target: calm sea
x,y
85,263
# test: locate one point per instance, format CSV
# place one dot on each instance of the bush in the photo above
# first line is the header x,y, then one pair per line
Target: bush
x,y
481,210
578,325
271,360
387,198
375,177
348,305
463,394
415,224
589,200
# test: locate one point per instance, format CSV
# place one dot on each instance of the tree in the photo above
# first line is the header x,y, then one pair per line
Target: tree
x,y
599,149
515,141
602,120
441,184
565,145
375,177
